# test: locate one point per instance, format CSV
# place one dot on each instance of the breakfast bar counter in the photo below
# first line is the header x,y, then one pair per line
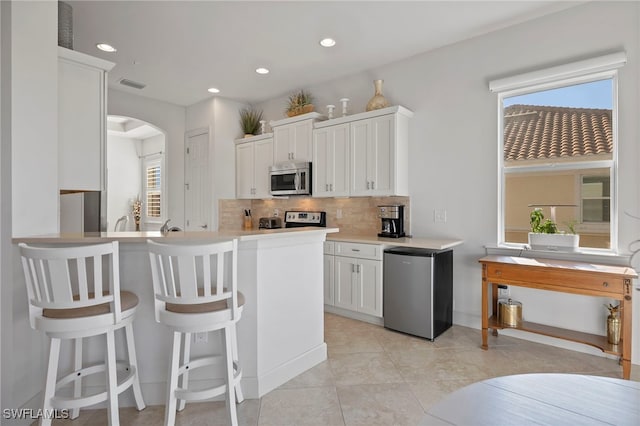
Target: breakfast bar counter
x,y
280,334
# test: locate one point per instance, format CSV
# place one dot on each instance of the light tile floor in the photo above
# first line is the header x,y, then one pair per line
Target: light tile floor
x,y
374,376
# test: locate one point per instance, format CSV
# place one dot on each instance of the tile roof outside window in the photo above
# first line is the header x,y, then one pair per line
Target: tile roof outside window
x,y
533,132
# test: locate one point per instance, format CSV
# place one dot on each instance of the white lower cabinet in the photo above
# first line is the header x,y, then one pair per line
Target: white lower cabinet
x,y
356,282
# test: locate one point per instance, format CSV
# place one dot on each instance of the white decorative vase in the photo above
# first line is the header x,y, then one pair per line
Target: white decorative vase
x,y
554,242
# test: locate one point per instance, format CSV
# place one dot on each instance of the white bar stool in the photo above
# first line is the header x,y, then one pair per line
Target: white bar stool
x,y
196,291
74,292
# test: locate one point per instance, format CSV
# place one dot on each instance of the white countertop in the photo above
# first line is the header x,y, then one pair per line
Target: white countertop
x,y
417,242
140,237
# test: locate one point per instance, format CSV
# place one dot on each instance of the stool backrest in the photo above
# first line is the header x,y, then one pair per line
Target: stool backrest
x,y
71,277
194,274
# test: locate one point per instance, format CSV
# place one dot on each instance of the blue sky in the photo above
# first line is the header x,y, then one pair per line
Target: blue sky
x,y
596,94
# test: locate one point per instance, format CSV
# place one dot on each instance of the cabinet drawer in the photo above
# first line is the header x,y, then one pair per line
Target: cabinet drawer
x,y
329,247
570,278
359,250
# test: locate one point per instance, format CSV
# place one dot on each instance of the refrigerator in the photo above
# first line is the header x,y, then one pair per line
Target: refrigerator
x,y
80,211
418,291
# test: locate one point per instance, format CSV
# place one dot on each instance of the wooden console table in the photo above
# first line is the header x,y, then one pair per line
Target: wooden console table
x,y
565,276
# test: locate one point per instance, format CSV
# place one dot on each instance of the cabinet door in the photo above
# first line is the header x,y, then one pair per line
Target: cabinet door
x,y
345,291
381,155
263,159
329,262
321,162
360,138
301,143
282,141
244,170
81,126
339,164
369,283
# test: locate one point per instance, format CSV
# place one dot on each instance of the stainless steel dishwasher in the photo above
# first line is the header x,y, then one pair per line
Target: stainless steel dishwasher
x,y
418,291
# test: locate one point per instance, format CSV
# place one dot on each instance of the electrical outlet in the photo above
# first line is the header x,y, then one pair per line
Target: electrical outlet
x,y
503,291
339,214
276,212
202,337
440,215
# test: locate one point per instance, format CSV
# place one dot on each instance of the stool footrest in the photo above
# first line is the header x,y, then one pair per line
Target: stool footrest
x,y
187,395
83,401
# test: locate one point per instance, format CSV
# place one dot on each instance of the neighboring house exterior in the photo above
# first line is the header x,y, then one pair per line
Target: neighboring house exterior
x,y
540,135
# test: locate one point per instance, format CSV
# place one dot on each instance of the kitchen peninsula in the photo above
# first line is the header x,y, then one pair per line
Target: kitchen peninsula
x,y
281,332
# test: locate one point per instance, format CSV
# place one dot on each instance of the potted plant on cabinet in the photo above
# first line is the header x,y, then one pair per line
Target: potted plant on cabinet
x,y
545,235
250,121
300,102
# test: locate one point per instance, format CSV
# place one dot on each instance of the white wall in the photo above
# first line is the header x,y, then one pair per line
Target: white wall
x,y
453,147
35,117
124,175
29,200
221,117
170,119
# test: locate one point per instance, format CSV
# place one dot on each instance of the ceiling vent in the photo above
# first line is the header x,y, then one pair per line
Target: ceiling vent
x,y
132,83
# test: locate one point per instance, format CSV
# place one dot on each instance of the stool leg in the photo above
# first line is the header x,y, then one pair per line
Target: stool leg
x,y
133,361
172,382
77,384
112,380
184,378
50,384
230,397
234,342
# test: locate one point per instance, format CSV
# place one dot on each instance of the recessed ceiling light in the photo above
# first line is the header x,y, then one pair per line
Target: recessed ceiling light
x,y
327,42
262,70
213,90
106,47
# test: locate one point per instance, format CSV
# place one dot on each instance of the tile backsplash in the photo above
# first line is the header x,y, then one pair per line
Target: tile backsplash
x,y
359,214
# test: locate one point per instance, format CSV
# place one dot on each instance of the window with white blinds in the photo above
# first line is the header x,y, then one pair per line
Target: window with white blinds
x,y
153,189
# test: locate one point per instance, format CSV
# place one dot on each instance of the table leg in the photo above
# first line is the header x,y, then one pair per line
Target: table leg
x,y
485,308
626,310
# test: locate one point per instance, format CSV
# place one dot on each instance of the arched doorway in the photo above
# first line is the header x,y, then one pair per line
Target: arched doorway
x,y
136,172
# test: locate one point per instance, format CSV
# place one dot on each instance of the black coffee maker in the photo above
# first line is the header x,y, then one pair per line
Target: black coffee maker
x,y
392,218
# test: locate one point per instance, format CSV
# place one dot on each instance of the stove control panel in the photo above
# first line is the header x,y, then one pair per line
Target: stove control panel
x,y
306,218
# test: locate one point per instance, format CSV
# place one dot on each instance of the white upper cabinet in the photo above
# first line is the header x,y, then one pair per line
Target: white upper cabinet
x,y
331,161
254,156
82,117
292,137
376,163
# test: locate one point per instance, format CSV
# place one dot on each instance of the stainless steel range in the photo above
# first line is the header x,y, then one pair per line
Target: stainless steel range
x,y
297,219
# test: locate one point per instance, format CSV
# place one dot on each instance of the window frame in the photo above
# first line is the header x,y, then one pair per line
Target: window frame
x,y
600,69
151,161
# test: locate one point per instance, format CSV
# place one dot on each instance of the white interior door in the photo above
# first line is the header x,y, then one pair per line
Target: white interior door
x,y
197,195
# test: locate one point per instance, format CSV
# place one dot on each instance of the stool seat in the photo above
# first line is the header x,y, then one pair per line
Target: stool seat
x,y
196,290
128,300
73,293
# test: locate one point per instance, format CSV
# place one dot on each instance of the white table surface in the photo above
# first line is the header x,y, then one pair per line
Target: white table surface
x,y
545,399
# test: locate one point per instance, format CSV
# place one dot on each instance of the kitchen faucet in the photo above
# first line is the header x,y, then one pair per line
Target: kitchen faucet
x,y
124,219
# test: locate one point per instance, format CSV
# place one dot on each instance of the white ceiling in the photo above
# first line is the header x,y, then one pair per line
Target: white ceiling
x,y
181,48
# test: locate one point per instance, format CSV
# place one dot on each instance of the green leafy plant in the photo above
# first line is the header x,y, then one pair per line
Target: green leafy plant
x,y
541,225
250,120
297,101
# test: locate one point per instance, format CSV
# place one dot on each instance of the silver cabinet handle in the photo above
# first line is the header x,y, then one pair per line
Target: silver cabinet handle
x,y
359,268
331,187
373,185
368,185
326,186
355,249
353,268
204,226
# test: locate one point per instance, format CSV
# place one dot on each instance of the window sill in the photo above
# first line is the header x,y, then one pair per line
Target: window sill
x,y
583,255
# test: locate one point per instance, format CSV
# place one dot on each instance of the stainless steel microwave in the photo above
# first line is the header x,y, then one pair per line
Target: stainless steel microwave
x,y
290,179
